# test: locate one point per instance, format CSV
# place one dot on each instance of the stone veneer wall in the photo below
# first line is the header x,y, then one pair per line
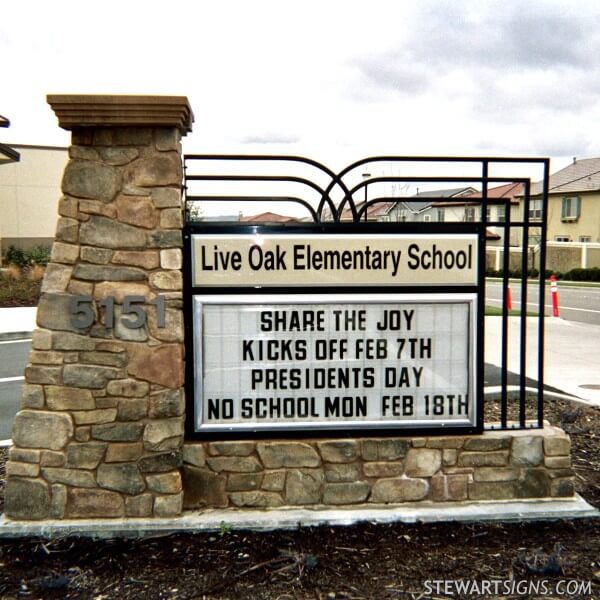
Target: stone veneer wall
x,y
493,466
101,424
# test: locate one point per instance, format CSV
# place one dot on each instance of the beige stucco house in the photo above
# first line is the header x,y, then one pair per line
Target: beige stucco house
x,y
29,195
573,203
573,233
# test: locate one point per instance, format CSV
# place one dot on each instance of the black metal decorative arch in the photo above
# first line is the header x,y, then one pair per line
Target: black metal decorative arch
x,y
356,210
347,210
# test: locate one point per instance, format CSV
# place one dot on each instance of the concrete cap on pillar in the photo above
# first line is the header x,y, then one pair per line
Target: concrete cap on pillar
x,y
75,111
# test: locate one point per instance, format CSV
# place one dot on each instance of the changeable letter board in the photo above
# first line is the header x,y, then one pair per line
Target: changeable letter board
x,y
349,362
389,360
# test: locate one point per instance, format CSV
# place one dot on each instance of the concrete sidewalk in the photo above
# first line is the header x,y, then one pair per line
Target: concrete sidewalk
x,y
572,353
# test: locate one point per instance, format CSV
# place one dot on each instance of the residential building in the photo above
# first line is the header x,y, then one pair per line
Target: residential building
x,y
29,193
436,205
500,199
267,217
573,203
420,208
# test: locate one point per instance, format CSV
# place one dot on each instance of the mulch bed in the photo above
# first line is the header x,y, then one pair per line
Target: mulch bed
x,y
330,563
19,292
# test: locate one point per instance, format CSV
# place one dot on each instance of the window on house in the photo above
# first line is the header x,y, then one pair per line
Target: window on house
x,y
488,213
562,238
571,208
535,209
585,239
426,218
469,214
441,214
501,213
402,214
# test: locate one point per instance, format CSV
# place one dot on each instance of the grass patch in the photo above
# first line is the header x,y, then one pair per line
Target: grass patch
x,y
560,282
496,311
20,287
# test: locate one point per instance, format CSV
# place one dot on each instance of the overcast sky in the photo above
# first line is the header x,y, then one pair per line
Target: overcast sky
x,y
334,80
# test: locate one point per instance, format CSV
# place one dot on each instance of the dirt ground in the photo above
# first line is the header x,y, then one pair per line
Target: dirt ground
x,y
325,563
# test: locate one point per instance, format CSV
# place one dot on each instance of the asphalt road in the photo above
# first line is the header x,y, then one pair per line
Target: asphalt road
x,y
574,303
13,357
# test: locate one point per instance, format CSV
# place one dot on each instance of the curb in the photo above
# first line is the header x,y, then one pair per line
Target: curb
x,y
8,336
213,520
494,392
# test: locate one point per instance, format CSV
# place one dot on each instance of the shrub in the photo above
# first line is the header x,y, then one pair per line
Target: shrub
x,y
14,272
21,280
16,256
40,255
36,273
592,274
516,274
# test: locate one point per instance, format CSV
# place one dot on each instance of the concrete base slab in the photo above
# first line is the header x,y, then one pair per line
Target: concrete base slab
x,y
214,520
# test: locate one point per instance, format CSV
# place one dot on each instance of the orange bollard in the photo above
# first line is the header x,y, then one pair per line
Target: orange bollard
x,y
554,295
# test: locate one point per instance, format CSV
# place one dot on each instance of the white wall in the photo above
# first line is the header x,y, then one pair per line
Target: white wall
x,y
30,191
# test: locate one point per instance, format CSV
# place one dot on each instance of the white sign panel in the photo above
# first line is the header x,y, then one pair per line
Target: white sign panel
x,y
296,260
347,361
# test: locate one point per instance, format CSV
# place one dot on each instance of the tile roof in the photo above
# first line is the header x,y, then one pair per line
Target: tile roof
x,y
375,210
504,192
415,204
267,217
448,193
582,175
383,208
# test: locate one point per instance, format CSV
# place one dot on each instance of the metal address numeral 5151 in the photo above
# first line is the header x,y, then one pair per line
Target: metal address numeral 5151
x,y
133,313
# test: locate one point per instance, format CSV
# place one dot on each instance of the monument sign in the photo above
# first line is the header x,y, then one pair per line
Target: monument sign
x,y
188,366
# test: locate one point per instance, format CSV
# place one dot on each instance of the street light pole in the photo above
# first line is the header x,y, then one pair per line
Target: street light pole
x,y
366,175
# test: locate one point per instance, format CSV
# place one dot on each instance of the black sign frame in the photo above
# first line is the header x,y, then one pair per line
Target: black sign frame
x,y
308,229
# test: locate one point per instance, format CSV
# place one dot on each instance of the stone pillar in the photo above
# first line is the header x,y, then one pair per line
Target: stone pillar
x,y
101,425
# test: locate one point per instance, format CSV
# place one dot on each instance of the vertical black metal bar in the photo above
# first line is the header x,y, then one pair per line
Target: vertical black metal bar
x,y
188,327
482,291
186,210
505,292
523,317
542,294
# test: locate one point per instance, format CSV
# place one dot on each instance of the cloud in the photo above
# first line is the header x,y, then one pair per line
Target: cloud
x,y
271,138
499,58
523,96
510,36
548,40
392,72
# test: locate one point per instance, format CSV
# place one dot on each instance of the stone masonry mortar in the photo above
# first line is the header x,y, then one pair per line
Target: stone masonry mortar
x,y
101,424
348,472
